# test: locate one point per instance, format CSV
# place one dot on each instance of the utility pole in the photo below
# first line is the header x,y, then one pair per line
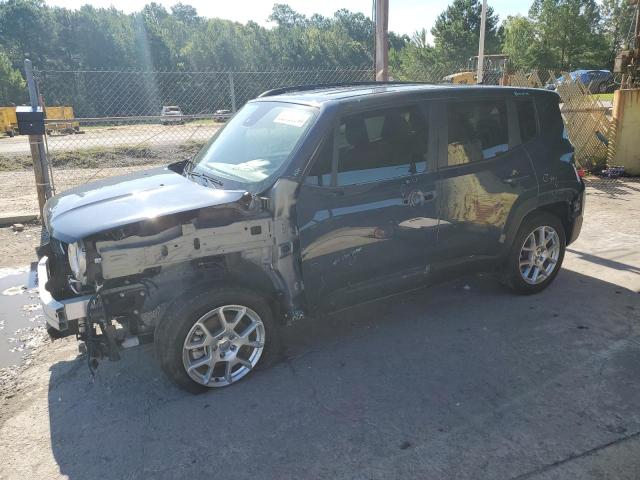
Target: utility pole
x,y
36,143
382,40
483,26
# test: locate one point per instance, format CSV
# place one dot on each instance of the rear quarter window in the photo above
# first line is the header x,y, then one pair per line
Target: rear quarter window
x,y
551,124
527,120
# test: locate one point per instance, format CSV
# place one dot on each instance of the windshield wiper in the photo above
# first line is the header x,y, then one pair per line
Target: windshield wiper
x,y
188,171
207,178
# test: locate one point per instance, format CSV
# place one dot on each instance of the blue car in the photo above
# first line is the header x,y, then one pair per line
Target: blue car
x,y
596,81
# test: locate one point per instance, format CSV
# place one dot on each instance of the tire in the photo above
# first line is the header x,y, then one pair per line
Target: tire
x,y
513,276
179,325
10,133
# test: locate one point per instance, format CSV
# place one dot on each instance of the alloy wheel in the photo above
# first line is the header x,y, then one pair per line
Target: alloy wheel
x,y
539,255
223,345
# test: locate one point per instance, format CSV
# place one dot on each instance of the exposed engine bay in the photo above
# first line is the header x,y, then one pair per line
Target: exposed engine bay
x,y
115,285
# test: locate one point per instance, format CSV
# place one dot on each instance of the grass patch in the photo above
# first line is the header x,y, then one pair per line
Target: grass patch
x,y
10,163
606,97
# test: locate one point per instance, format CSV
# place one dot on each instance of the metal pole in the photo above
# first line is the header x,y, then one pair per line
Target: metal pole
x,y
637,30
382,40
232,90
483,26
36,144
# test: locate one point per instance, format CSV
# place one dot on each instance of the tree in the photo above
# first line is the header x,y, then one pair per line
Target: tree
x,y
285,16
456,33
570,33
12,85
617,19
415,60
521,42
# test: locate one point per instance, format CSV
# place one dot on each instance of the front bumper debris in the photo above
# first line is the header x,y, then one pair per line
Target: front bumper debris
x,y
58,313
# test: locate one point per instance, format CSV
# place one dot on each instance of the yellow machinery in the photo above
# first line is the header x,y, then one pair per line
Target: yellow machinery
x,y
494,68
8,121
61,119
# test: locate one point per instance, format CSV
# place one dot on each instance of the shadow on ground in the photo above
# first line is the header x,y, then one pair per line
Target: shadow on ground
x,y
447,382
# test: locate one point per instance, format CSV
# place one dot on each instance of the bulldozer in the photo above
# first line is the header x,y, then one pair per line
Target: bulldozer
x,y
495,67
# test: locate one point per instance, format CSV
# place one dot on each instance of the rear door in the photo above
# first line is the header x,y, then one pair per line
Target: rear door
x,y
485,172
367,210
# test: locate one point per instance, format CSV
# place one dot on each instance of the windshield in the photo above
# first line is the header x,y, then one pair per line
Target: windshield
x,y
257,141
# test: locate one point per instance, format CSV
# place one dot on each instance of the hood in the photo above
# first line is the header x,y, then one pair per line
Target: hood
x,y
118,201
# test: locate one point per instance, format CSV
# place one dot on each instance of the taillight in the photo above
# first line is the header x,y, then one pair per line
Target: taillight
x,y
580,172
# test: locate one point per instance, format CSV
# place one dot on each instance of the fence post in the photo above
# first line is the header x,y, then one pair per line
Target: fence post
x,y
36,143
232,90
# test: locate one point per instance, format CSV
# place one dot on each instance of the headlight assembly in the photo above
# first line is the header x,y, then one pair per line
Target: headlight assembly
x,y
78,261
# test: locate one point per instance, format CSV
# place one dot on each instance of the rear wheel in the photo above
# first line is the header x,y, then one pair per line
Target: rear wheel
x,y
536,254
216,338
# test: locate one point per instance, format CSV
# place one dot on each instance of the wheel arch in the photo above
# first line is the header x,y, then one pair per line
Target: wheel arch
x,y
561,209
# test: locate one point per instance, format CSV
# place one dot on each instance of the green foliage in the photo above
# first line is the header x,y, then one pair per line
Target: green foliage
x,y
12,86
561,34
521,43
456,32
569,33
617,19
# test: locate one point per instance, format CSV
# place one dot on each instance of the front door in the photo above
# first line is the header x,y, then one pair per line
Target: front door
x,y
484,172
367,210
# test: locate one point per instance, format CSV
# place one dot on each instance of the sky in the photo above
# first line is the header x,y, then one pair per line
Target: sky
x,y
405,16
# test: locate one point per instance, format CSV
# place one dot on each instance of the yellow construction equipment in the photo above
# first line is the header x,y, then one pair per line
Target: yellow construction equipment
x,y
8,121
495,67
61,119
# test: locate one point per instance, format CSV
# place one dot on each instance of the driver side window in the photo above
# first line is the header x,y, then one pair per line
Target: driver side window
x,y
374,146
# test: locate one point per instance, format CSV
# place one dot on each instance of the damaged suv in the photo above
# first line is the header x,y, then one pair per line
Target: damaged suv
x,y
310,199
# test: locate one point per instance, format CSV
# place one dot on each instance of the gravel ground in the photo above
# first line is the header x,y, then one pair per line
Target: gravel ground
x,y
18,248
462,380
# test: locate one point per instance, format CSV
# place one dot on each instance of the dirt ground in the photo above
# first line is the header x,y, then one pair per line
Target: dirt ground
x,y
463,380
18,189
18,248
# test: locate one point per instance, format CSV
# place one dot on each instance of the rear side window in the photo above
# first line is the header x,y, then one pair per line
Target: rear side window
x,y
527,119
477,131
382,145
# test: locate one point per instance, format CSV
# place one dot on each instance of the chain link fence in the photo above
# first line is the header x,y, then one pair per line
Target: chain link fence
x,y
127,120
116,122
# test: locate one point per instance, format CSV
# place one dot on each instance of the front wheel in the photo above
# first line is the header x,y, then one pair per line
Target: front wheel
x,y
216,338
536,254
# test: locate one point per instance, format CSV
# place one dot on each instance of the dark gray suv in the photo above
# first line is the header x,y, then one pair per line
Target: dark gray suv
x,y
310,199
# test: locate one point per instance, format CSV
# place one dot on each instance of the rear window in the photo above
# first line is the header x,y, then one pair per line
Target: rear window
x,y
527,119
477,131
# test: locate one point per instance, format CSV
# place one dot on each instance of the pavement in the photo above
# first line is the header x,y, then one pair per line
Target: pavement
x,y
463,380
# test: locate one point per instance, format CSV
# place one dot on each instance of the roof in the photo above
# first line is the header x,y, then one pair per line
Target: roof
x,y
321,94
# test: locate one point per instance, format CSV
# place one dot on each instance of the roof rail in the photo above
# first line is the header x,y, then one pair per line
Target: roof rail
x,y
318,86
